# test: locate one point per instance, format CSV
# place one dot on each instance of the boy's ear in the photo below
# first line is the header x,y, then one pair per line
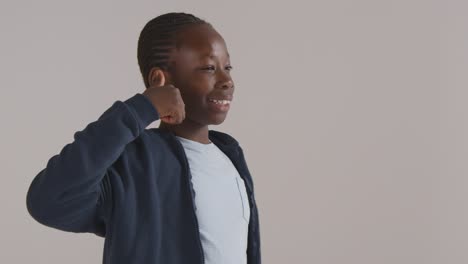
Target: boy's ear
x,y
158,77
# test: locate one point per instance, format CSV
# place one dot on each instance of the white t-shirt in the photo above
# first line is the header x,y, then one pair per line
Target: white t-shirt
x,y
222,206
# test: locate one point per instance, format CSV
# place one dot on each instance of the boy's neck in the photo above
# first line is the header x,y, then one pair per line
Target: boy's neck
x,y
189,131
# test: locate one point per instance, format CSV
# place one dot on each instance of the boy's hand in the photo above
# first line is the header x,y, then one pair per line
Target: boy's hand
x,y
167,101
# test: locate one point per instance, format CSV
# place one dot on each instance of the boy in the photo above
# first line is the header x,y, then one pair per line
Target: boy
x,y
180,193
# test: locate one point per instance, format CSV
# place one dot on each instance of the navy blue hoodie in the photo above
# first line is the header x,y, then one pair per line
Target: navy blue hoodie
x,y
133,186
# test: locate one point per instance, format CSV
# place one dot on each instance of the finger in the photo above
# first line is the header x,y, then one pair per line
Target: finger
x,y
178,118
183,112
167,119
172,119
165,116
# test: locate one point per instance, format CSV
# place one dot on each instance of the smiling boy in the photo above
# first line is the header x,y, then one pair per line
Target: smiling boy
x,y
180,193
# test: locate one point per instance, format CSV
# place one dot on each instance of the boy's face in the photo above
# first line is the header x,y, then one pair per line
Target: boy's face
x,y
200,68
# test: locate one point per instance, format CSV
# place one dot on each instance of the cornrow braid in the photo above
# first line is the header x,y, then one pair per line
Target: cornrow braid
x,y
157,39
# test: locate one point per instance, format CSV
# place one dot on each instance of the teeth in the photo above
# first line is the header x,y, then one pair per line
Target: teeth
x,y
220,101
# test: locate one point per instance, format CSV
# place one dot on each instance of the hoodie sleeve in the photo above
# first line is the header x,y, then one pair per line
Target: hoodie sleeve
x,y
72,192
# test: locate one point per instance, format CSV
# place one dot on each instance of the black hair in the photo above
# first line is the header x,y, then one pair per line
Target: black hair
x,y
157,39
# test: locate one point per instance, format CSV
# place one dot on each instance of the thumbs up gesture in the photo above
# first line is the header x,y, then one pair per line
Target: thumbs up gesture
x,y
167,100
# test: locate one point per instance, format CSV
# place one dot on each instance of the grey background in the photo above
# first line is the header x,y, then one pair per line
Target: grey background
x,y
352,115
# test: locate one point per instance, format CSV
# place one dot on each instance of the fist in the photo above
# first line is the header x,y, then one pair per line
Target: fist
x,y
167,101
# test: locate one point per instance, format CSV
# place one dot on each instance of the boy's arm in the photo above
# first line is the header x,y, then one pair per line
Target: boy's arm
x,y
71,192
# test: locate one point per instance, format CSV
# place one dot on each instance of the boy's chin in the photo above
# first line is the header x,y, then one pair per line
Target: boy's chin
x,y
217,121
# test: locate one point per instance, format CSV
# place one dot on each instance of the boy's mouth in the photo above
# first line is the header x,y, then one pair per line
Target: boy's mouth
x,y
220,101
221,97
219,105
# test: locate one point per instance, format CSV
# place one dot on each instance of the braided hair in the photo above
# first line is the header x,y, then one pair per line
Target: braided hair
x,y
157,39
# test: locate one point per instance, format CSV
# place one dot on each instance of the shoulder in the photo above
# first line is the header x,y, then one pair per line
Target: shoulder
x,y
150,140
223,138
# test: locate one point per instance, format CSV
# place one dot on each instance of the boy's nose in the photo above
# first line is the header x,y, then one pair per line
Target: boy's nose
x,y
228,84
224,80
225,83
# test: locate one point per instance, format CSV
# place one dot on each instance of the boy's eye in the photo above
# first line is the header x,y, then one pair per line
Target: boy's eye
x,y
212,68
209,68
